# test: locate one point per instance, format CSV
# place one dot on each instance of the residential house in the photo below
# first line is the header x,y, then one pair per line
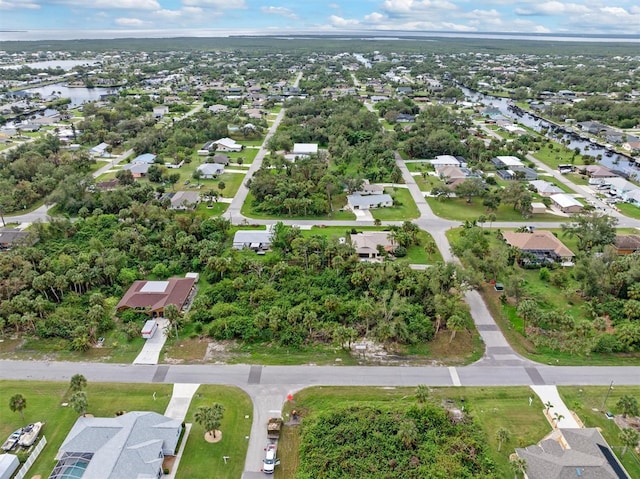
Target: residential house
x,y
153,296
144,159
405,118
572,453
542,244
184,200
448,160
257,240
632,144
370,189
566,203
303,150
132,445
108,185
627,244
10,238
99,150
368,244
210,170
221,159
218,108
632,197
621,187
502,162
597,174
227,144
518,173
365,202
138,170
160,111
544,188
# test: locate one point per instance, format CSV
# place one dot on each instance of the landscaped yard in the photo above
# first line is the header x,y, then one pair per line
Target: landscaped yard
x,y
491,408
203,460
590,403
338,202
44,401
459,209
627,209
404,207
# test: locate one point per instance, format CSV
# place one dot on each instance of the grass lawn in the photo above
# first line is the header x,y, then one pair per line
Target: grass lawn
x,y
459,209
588,403
559,155
404,207
44,404
205,460
578,179
247,155
629,210
491,408
216,210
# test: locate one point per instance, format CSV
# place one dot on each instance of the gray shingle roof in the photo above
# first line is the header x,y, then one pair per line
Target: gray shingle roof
x,y
123,447
572,454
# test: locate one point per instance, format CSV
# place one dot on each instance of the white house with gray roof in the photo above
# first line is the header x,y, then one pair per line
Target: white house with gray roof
x,y
131,446
366,202
257,240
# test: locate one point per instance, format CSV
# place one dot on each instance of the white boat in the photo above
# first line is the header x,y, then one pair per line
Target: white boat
x,y
12,440
30,434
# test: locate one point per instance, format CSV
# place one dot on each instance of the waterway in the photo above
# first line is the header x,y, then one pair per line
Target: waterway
x,y
78,96
66,65
608,158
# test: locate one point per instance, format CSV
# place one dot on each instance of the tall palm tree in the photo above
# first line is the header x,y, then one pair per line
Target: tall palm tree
x,y
18,403
518,466
455,323
79,402
78,383
502,435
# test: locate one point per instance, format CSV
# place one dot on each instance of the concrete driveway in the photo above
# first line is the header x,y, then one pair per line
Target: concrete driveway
x,y
153,346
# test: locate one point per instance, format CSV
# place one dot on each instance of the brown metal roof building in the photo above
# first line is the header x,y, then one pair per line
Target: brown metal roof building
x,y
542,244
154,296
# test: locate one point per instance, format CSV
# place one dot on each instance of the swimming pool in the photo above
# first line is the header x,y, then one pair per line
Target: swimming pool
x,y
71,466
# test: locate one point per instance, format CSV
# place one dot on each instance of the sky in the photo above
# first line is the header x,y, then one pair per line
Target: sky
x,y
117,18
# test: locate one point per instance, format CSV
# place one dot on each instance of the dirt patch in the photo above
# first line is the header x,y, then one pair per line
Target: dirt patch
x,y
168,463
219,352
211,438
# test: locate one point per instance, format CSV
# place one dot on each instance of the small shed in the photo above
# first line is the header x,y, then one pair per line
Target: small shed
x,y
9,463
149,329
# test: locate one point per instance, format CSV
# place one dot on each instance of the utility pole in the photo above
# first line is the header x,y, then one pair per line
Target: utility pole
x,y
607,396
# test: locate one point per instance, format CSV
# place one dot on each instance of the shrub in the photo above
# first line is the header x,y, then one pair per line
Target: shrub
x,y
400,252
544,274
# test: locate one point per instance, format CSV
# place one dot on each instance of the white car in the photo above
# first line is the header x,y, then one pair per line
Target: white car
x,y
270,461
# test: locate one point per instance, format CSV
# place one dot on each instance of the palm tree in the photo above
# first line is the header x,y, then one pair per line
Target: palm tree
x,y
502,435
79,402
629,438
408,433
629,405
78,383
518,466
172,313
18,403
548,405
455,323
204,417
557,417
422,393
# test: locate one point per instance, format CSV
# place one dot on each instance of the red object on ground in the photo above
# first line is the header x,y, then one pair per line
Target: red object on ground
x,y
289,397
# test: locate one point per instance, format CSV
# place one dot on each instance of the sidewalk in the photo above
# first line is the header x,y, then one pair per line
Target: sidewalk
x,y
550,394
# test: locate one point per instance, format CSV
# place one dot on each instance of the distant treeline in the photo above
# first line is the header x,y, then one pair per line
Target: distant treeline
x,y
331,44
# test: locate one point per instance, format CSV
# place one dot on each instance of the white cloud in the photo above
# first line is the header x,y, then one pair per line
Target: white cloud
x,y
112,4
218,4
553,8
411,7
130,22
25,4
343,22
375,17
285,12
